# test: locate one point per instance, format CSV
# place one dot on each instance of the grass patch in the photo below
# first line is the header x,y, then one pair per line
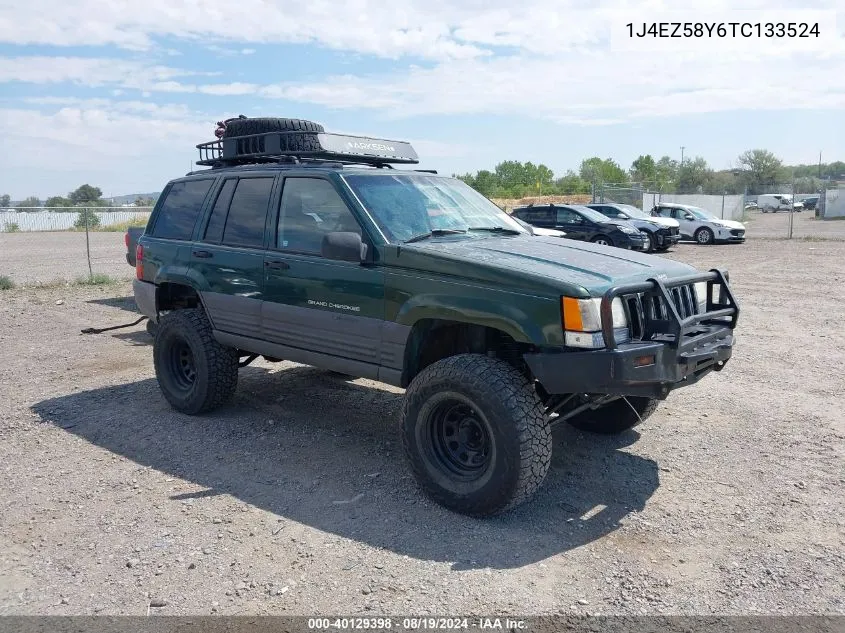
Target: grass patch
x,y
6,283
97,279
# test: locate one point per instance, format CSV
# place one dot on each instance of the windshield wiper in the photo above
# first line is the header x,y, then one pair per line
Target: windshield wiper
x,y
496,229
433,233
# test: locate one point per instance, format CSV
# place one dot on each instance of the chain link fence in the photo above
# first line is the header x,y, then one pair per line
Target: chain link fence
x,y
40,245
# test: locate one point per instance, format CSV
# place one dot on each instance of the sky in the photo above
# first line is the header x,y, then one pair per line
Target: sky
x,y
117,94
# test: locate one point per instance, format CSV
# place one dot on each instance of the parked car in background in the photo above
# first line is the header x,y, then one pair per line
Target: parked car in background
x,y
536,230
700,224
585,224
811,202
660,232
775,202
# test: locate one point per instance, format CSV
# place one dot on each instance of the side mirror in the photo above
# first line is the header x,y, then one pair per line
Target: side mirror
x,y
689,216
343,246
621,216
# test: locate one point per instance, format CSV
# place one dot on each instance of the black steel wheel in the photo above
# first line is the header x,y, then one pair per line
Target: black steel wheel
x,y
475,434
457,437
195,373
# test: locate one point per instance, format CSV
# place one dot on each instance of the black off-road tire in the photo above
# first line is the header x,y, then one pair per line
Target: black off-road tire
x,y
152,327
704,236
260,125
187,333
503,406
615,417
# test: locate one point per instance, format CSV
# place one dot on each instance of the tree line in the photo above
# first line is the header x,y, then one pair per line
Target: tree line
x,y
758,171
83,196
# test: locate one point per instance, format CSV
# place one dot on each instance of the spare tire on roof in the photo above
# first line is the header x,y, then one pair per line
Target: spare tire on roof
x,y
261,125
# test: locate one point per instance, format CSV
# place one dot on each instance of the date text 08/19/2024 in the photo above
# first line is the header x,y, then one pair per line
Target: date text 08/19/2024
x,y
416,624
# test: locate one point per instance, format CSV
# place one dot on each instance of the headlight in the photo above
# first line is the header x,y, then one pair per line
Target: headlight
x,y
582,322
625,229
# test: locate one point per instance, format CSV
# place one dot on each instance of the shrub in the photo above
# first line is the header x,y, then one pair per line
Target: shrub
x,y
13,227
6,283
87,215
97,279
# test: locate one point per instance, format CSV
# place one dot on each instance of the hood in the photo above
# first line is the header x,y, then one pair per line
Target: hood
x,y
641,223
731,224
667,222
525,263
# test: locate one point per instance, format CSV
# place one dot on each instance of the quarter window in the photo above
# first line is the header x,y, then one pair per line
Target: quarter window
x,y
181,208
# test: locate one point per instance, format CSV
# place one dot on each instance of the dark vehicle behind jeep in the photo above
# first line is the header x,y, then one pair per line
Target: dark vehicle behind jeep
x,y
585,224
660,237
304,246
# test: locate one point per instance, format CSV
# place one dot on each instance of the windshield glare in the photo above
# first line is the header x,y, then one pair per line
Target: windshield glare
x,y
634,212
408,205
701,214
592,214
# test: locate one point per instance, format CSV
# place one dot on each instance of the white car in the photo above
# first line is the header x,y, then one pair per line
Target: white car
x,y
699,224
775,202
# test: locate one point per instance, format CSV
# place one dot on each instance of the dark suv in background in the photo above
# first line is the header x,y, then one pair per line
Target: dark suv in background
x,y
660,232
585,224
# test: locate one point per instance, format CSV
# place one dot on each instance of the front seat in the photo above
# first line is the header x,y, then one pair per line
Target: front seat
x,y
300,232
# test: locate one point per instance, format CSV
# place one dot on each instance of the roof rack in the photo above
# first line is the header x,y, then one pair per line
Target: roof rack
x,y
298,147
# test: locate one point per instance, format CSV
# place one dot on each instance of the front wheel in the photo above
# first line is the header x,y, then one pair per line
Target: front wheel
x,y
475,434
603,240
195,373
704,236
651,242
615,417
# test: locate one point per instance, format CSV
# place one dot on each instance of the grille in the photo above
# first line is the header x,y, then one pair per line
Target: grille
x,y
737,232
673,230
645,309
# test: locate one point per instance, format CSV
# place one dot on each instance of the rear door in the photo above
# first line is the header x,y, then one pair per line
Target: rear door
x,y
311,302
229,254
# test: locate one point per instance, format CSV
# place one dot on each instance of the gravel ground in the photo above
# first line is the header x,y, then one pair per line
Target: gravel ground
x,y
804,225
295,499
46,257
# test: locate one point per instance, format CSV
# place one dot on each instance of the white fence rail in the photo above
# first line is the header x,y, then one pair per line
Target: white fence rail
x,y
65,219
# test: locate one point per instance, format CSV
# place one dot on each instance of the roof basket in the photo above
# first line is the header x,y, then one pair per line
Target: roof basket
x,y
276,147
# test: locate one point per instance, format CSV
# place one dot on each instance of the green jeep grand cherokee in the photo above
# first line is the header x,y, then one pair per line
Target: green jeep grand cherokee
x,y
305,246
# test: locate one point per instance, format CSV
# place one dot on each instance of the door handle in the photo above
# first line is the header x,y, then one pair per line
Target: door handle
x,y
204,254
276,264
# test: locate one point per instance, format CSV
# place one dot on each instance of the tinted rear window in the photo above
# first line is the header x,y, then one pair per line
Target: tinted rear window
x,y
214,230
247,213
180,209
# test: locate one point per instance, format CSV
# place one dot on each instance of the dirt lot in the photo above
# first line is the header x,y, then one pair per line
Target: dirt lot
x,y
45,257
295,499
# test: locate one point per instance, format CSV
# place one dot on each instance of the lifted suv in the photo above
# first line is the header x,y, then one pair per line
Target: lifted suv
x,y
305,246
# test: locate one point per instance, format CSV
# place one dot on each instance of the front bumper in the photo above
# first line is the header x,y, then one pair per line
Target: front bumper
x,y
666,239
637,242
671,346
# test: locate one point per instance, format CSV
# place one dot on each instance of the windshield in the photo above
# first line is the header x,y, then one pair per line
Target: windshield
x,y
408,205
701,214
634,212
592,214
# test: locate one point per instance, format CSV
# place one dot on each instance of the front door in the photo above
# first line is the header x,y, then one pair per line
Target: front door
x,y
313,303
573,224
229,256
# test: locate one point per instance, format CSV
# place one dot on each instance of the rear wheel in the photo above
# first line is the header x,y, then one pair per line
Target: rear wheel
x,y
195,373
615,417
475,434
603,240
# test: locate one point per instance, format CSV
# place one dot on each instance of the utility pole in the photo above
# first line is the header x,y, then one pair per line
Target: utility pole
x,y
682,155
820,165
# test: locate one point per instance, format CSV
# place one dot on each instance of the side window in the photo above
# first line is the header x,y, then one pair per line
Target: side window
x,y
310,208
214,230
538,216
181,208
566,216
248,212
